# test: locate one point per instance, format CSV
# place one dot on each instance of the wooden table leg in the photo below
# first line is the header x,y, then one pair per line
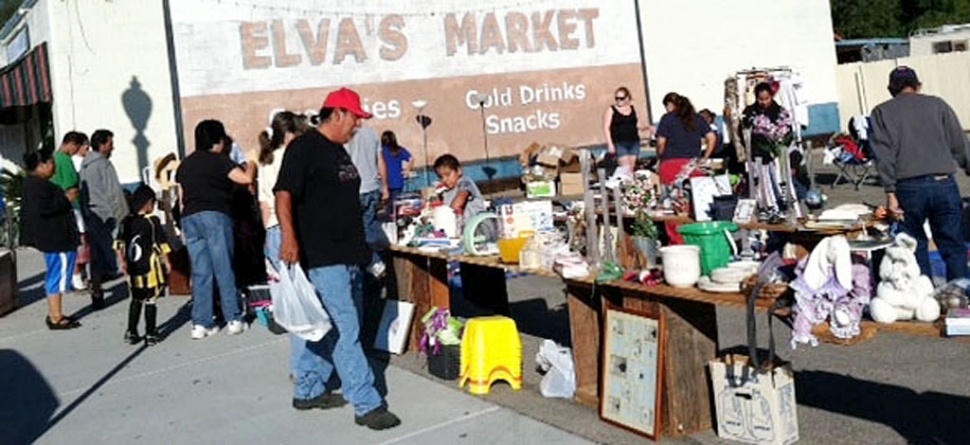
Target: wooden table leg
x,y
691,345
584,328
424,282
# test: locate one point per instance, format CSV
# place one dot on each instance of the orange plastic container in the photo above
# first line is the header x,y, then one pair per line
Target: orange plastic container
x,y
509,249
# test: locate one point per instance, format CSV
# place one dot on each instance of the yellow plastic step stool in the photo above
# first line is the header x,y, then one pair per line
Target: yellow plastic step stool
x,y
491,350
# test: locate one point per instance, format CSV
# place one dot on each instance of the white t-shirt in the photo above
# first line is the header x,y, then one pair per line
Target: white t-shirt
x,y
267,180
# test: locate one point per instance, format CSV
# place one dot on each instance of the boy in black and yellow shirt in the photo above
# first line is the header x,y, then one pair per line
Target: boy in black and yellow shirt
x,y
144,249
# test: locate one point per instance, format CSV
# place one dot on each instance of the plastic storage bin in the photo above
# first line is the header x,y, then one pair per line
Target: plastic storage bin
x,y
491,350
713,241
447,364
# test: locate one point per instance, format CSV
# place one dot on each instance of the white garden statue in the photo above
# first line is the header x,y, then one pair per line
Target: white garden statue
x,y
904,292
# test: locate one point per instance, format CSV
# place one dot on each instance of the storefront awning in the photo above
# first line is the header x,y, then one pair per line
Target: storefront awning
x,y
26,81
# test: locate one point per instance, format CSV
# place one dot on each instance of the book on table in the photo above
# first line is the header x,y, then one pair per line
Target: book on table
x,y
957,322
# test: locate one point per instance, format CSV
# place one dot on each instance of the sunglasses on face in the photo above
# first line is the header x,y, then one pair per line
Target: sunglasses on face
x,y
620,98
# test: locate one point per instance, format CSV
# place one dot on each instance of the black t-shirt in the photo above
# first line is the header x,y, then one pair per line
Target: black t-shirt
x,y
206,186
139,236
324,186
47,217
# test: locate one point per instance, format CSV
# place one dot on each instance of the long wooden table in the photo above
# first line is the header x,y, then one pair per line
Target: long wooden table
x,y
690,319
691,326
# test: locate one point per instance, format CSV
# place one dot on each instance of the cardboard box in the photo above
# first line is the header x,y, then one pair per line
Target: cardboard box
x,y
548,160
527,216
540,189
571,184
532,150
754,407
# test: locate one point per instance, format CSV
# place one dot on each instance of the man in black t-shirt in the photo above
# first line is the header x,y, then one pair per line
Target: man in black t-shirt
x,y
320,220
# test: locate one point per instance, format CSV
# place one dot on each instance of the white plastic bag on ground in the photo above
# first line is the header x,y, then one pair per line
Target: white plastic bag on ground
x,y
296,306
557,362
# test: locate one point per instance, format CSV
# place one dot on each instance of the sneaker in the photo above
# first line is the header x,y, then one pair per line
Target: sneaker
x,y
152,339
327,400
132,338
378,269
378,419
199,331
235,327
78,282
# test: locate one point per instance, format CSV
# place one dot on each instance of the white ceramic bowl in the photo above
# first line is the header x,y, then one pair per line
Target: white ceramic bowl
x,y
727,275
682,265
747,265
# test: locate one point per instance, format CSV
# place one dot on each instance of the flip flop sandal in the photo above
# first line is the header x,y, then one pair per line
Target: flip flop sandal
x,y
63,324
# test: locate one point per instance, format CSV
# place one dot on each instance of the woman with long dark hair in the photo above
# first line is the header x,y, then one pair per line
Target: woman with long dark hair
x,y
285,127
679,137
399,166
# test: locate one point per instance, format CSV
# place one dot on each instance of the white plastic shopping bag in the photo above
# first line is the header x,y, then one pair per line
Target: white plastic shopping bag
x,y
296,306
557,362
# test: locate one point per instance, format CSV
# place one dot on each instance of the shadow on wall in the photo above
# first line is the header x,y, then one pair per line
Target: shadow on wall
x,y
138,107
28,401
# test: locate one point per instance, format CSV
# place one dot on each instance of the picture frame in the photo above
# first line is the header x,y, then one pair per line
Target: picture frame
x,y
631,383
745,211
395,324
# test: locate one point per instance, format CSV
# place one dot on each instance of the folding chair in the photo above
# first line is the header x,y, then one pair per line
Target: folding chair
x,y
855,160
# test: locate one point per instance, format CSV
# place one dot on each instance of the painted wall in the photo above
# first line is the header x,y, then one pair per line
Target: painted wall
x,y
862,86
109,69
692,46
548,68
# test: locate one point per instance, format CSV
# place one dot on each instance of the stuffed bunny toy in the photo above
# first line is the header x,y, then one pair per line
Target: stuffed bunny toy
x,y
829,287
904,293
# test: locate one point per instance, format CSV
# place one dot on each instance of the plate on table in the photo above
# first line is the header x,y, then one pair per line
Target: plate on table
x,y
705,284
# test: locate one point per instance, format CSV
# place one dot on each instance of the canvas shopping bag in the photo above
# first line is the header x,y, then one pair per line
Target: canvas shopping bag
x,y
755,402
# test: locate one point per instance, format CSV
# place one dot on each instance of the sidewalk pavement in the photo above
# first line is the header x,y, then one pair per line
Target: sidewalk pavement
x,y
88,387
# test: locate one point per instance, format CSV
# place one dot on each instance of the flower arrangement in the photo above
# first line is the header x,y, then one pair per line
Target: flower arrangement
x,y
639,197
774,135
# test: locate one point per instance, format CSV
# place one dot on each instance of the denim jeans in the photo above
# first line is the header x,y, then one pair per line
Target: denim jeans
x,y
939,201
373,234
274,239
340,288
393,194
208,236
101,235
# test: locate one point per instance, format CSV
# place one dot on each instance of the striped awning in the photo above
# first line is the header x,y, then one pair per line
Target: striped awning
x,y
26,81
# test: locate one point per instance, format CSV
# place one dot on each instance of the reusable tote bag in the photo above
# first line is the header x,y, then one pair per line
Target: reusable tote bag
x,y
755,402
296,306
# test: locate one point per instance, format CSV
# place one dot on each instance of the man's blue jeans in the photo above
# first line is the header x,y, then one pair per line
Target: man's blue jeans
x,y
340,288
208,236
373,234
938,200
101,234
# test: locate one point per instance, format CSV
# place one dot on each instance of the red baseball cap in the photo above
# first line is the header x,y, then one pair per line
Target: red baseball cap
x,y
347,99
